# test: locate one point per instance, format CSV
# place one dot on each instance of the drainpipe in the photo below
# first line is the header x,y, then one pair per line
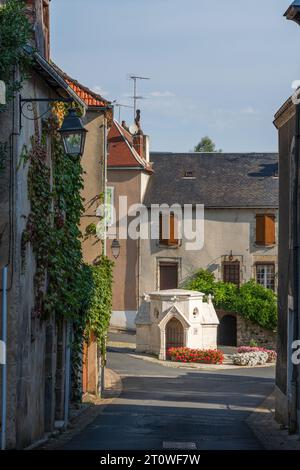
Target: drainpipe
x,y
67,372
4,366
102,359
295,228
105,181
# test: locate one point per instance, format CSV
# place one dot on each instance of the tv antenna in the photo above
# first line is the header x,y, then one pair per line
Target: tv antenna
x,y
135,78
120,106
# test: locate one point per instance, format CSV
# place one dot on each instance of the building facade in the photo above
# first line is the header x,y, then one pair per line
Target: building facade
x,y
239,193
287,122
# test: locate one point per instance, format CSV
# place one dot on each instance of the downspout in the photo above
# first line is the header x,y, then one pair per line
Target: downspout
x,y
105,182
103,359
4,366
295,229
67,372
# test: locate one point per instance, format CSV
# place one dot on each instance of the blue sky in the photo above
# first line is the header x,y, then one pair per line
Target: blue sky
x,y
218,68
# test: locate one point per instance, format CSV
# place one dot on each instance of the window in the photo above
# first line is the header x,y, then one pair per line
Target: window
x,y
171,239
265,229
265,275
231,272
189,175
168,275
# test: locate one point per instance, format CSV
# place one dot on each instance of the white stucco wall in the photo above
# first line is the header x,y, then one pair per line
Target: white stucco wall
x,y
225,230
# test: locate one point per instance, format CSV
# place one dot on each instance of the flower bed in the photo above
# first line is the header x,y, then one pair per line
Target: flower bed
x,y
272,355
251,359
200,356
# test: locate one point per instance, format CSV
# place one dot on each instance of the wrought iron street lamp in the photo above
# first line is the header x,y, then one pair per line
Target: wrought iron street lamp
x,y
73,134
72,131
115,248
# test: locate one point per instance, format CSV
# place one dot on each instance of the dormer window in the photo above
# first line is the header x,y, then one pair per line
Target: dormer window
x,y
188,174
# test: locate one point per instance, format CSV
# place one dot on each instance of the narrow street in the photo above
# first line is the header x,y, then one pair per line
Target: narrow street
x,y
166,408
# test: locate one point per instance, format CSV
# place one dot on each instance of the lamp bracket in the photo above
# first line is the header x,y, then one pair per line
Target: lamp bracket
x,y
27,104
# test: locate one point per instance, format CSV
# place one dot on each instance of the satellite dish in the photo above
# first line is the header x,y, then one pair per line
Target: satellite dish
x,y
133,129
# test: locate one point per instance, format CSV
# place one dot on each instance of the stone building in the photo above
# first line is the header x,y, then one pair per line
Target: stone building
x,y
38,352
240,197
287,391
97,121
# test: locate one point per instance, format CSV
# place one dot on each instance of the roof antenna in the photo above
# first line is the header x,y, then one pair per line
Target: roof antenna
x,y
135,97
119,105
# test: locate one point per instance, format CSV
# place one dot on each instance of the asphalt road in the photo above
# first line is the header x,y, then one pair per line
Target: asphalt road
x,y
170,408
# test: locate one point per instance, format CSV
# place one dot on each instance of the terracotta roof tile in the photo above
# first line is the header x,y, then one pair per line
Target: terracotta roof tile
x,y
88,96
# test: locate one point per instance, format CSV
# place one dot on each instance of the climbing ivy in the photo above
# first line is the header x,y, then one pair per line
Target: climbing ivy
x,y
63,284
99,311
16,32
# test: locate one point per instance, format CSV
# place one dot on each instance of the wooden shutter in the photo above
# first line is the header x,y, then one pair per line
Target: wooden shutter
x,y
265,229
162,241
171,241
260,229
270,229
173,229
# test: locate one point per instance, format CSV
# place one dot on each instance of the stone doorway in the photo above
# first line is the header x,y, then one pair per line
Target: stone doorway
x,y
227,331
174,334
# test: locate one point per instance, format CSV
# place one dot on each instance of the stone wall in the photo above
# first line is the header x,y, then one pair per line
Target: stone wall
x,y
248,330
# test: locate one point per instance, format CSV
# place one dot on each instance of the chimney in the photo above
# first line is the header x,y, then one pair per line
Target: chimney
x,y
39,17
138,143
146,148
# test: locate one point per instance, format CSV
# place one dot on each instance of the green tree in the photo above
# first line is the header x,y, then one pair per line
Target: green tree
x,y
206,145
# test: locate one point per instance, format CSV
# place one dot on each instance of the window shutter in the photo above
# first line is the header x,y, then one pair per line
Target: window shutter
x,y
265,229
173,230
171,241
269,229
260,229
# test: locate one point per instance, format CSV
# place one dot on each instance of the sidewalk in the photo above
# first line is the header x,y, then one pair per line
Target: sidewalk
x,y
82,415
268,431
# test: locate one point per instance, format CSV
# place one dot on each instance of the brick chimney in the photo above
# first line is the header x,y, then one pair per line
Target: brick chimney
x,y
138,143
39,16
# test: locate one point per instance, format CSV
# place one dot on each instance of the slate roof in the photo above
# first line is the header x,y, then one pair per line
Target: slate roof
x,y
220,179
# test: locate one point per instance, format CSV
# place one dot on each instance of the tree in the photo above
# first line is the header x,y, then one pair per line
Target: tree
x,y
206,145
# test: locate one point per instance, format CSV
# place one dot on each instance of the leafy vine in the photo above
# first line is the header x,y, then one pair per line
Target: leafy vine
x,y
16,32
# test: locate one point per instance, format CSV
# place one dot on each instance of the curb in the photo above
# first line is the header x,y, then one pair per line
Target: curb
x,y
272,435
94,407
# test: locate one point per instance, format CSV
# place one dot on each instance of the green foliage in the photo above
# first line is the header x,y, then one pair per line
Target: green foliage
x,y
63,284
206,145
253,301
99,312
256,303
15,34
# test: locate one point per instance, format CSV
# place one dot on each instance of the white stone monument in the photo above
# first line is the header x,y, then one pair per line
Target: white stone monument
x,y
174,318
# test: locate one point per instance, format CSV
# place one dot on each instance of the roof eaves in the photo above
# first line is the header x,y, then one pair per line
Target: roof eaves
x,y
41,64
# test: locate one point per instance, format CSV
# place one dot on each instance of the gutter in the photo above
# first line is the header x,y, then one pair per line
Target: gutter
x,y
41,64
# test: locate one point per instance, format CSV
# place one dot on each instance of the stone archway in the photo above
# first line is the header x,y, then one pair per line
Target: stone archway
x,y
174,334
227,331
